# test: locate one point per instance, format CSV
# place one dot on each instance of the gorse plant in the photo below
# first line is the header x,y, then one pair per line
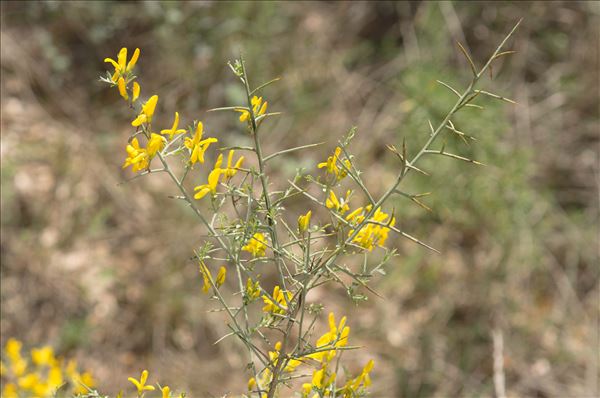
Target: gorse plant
x,y
250,233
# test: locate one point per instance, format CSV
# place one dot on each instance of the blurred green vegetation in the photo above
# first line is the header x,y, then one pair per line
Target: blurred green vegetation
x,y
102,270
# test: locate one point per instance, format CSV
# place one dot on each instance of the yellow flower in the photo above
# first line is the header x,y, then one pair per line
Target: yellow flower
x,y
137,157
339,205
171,132
83,382
256,245
141,384
230,170
136,91
221,276
147,112
206,277
371,235
331,165
155,144
258,109
251,384
120,65
304,222
292,363
213,180
166,392
358,215
336,337
13,348
352,386
317,379
197,145
279,306
71,369
29,381
306,389
18,365
43,356
252,289
55,378
10,391
122,88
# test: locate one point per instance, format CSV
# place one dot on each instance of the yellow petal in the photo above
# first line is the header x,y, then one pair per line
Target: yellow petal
x,y
113,62
136,91
149,106
196,155
122,88
139,120
203,190
221,276
133,60
317,379
263,109
238,164
122,58
175,122
199,131
213,179
256,101
230,158
331,320
219,161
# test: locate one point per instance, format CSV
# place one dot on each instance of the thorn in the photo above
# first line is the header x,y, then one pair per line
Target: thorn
x,y
473,69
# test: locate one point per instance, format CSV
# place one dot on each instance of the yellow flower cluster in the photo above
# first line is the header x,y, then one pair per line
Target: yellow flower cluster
x,y
265,377
257,245
259,108
320,381
207,277
323,376
331,165
42,377
123,73
139,157
375,232
278,303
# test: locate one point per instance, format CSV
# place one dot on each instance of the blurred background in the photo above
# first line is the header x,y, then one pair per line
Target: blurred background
x,y
101,270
